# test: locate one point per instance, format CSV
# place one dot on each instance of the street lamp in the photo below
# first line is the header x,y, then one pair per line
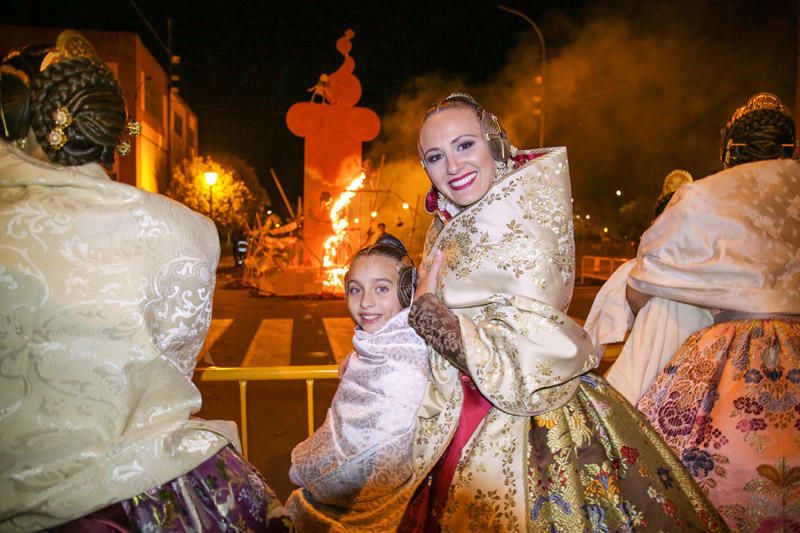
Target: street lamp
x,y
539,79
211,179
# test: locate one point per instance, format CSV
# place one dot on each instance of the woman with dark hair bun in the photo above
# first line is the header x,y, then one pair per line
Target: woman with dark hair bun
x,y
728,246
105,299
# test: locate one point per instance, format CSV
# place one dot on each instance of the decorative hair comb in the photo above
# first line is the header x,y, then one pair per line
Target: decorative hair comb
x,y
675,180
760,101
463,95
70,44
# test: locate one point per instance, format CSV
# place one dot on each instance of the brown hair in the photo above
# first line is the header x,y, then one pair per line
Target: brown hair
x,y
16,72
92,95
758,135
390,246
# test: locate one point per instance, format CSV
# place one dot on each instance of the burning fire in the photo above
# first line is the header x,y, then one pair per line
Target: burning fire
x,y
333,265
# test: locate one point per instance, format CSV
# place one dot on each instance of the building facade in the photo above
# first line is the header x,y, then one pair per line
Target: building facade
x,y
145,87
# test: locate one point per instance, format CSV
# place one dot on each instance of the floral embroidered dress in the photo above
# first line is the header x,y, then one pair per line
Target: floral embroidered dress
x,y
105,299
354,464
728,402
553,448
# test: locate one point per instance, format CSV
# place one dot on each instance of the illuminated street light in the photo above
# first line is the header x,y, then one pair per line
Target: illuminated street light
x,y
211,179
356,220
605,230
619,193
588,217
405,205
374,214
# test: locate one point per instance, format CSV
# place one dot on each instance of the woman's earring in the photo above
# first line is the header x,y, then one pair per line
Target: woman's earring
x,y
502,170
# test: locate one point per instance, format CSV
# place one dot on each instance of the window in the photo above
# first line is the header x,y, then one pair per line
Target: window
x,y
177,124
152,99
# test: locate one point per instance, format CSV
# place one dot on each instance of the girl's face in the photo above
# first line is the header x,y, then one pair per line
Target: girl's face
x,y
372,297
456,156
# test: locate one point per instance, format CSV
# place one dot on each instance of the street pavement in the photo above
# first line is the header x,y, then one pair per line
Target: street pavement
x,y
249,330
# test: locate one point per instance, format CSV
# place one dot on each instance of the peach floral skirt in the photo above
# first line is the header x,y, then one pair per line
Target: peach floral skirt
x,y
728,404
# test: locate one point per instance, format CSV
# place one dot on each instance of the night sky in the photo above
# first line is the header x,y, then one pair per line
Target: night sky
x,y
244,63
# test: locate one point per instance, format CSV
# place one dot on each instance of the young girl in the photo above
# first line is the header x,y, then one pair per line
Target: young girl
x,y
351,468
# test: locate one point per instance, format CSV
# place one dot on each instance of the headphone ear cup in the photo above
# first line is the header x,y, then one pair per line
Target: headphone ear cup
x,y
495,136
406,284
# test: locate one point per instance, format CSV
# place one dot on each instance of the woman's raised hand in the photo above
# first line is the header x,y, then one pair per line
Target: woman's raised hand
x,y
428,276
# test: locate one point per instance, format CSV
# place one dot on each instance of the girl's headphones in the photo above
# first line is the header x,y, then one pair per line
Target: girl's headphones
x,y
407,281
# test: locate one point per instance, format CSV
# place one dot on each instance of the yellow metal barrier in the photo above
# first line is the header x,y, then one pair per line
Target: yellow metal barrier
x,y
599,267
270,373
308,373
609,356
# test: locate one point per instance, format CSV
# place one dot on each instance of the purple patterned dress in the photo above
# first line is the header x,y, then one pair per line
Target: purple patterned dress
x,y
225,493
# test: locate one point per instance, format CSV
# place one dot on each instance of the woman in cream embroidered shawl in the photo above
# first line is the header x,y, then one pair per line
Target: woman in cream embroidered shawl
x,y
105,299
521,436
728,402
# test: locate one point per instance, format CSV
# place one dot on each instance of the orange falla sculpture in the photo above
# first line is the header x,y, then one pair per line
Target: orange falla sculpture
x,y
334,130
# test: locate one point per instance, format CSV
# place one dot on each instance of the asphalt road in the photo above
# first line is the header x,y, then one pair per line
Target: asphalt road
x,y
301,332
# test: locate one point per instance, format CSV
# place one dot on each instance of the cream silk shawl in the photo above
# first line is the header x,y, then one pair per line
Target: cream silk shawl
x,y
508,274
363,450
105,298
728,241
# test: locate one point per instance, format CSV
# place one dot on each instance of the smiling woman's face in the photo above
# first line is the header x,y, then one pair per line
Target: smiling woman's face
x,y
456,156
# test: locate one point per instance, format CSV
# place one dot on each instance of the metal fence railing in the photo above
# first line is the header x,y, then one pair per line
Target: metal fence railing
x,y
601,268
310,373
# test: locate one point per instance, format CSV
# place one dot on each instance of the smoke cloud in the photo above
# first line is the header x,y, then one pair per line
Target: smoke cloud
x,y
633,92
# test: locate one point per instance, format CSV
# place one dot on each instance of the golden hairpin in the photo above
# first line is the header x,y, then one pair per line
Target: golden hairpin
x,y
2,113
134,128
57,137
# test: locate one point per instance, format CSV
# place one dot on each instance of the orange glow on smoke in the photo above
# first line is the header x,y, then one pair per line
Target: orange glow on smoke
x,y
334,266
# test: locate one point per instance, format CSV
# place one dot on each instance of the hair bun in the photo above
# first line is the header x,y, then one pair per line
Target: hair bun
x,y
390,240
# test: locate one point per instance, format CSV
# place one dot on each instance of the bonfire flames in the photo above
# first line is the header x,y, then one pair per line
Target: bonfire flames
x,y
334,265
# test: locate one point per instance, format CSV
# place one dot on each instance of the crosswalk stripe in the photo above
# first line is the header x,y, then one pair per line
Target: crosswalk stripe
x,y
272,344
340,336
215,331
